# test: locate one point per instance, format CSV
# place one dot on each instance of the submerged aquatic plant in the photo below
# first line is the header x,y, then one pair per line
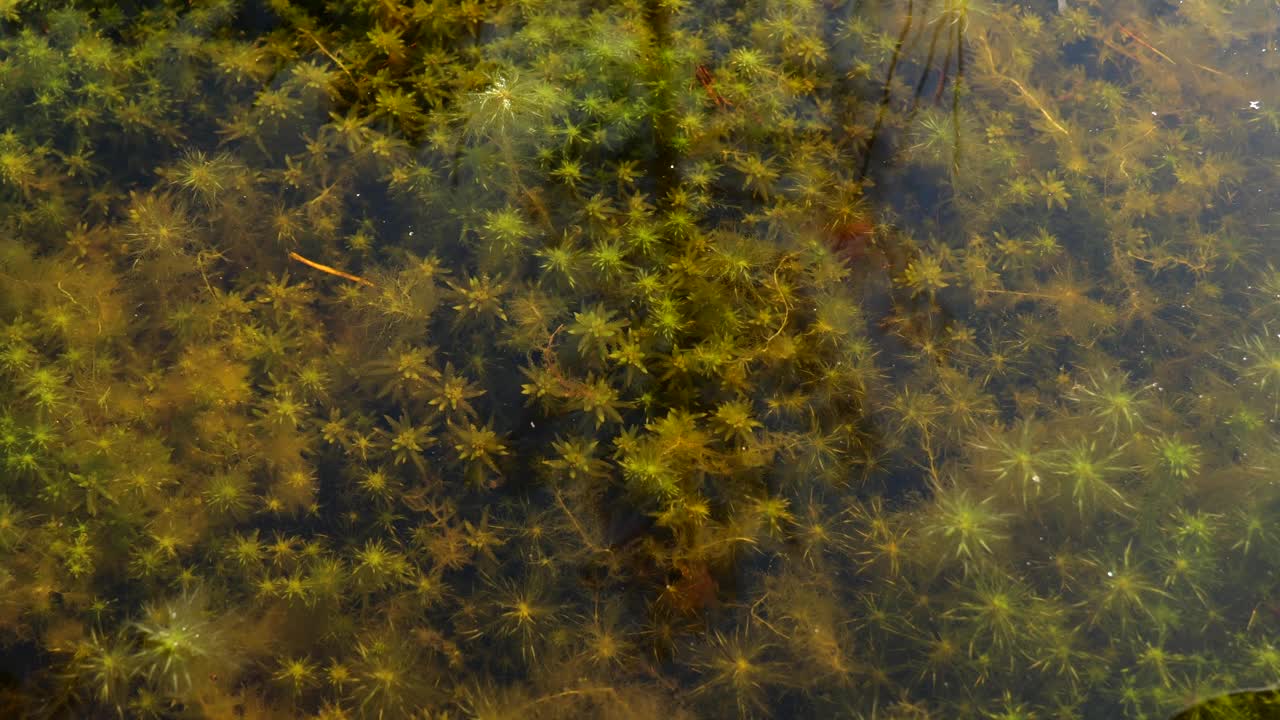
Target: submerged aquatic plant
x,y
1019,459
1123,594
181,643
1256,359
106,667
1087,476
737,667
964,528
553,358
1110,398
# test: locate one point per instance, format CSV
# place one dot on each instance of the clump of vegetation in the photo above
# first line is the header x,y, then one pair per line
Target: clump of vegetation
x,y
394,359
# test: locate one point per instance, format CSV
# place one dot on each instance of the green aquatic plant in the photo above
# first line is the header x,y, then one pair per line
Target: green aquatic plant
x,y
1250,530
181,643
507,107
480,298
12,525
1060,651
1189,574
917,411
298,674
451,393
507,230
608,259
1087,474
797,305
736,420
407,441
738,667
209,178
375,566
884,538
649,470
404,372
1256,360
561,263
105,666
1177,457
229,493
525,610
605,639
1122,592
596,330
384,679
965,405
247,551
1263,658
1195,531
479,447
1020,459
1109,398
819,532
577,458
758,174
379,485
159,224
598,399
997,615
963,528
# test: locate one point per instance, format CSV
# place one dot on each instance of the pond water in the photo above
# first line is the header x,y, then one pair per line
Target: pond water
x,y
653,358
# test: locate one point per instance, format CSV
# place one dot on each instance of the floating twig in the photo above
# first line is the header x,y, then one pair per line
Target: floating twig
x,y
1144,43
330,270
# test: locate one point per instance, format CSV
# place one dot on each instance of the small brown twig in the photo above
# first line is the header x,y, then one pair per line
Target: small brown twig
x,y
1134,36
577,526
705,77
330,270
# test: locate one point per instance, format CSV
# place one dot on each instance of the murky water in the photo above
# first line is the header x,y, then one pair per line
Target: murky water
x,y
654,358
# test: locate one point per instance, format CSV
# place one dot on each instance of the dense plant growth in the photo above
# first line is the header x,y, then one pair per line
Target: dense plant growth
x,y
651,358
